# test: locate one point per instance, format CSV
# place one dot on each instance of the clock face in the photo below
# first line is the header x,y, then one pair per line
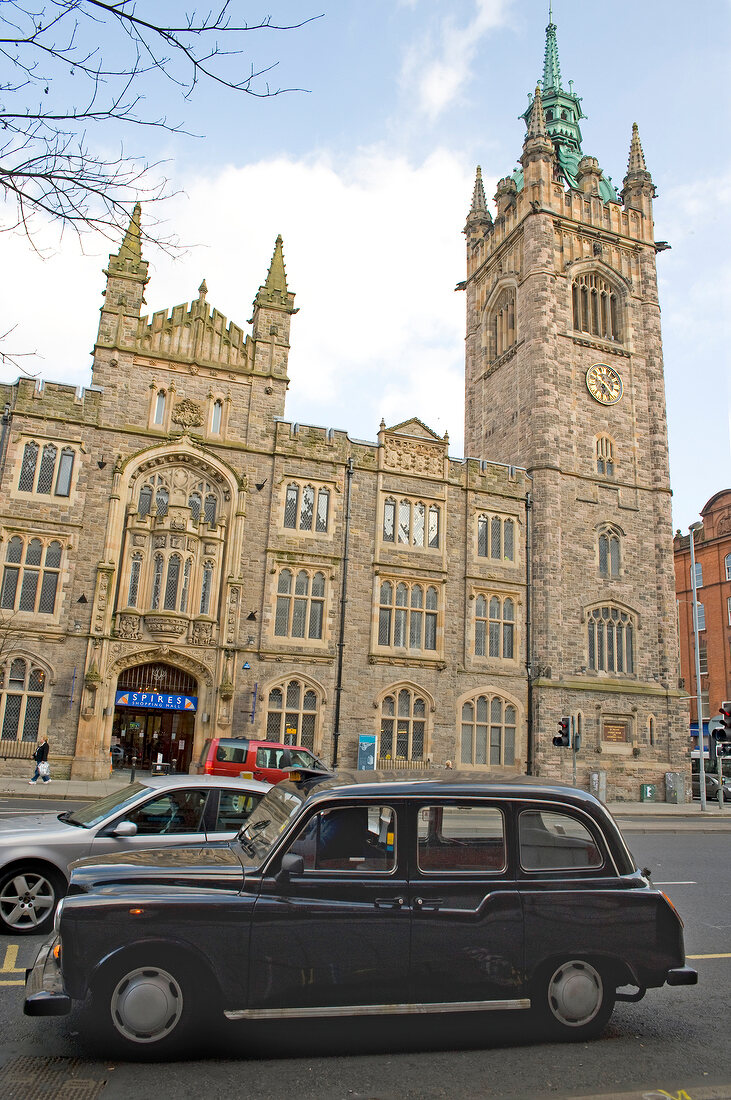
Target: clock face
x,y
604,384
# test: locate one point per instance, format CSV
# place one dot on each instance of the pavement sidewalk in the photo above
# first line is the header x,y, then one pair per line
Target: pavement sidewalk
x,y
650,815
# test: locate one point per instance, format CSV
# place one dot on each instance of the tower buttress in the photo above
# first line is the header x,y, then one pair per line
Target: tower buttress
x,y
639,189
124,295
273,309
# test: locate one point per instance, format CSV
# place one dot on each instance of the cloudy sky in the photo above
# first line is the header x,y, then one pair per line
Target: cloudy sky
x,y
368,177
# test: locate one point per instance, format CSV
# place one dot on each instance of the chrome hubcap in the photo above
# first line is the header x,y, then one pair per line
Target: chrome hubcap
x,y
146,1005
26,900
575,993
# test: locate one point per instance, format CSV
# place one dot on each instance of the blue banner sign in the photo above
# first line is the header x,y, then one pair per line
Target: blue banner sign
x,y
153,700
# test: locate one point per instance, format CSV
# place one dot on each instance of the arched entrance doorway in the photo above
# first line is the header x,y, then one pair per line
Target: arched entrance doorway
x,y
154,715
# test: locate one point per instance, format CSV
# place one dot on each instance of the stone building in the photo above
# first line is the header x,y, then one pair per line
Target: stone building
x,y
712,552
181,562
564,377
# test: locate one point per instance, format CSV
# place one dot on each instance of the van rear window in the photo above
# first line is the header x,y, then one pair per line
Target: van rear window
x,y
231,753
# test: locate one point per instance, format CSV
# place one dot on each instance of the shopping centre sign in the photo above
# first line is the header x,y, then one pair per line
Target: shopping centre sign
x,y
155,700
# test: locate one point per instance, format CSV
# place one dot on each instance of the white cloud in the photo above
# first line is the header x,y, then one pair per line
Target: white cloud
x,y
373,251
437,66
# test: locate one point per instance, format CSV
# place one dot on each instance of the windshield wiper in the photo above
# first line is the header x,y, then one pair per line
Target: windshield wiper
x,y
69,820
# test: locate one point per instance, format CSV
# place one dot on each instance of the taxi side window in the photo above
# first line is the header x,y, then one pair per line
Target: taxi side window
x,y
461,838
349,838
551,841
233,810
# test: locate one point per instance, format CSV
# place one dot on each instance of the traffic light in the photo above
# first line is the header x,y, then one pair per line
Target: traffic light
x,y
564,734
726,716
722,735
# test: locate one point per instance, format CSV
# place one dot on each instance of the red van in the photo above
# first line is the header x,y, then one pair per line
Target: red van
x,y
238,756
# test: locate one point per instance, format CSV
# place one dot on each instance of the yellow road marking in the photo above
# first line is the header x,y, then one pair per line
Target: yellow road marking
x,y
12,983
725,955
11,958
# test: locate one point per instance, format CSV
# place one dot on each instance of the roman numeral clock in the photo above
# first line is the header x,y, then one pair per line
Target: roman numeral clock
x,y
604,384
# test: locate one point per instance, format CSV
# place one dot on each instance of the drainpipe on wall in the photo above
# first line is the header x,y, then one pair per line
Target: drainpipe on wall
x,y
530,741
343,604
7,417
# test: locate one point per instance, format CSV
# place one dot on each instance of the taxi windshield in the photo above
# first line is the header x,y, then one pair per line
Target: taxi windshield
x,y
268,821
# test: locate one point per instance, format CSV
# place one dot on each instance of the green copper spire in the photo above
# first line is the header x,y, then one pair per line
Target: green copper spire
x,y
562,112
551,66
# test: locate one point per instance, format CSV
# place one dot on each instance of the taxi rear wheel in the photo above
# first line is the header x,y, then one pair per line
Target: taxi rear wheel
x,y
147,1005
575,999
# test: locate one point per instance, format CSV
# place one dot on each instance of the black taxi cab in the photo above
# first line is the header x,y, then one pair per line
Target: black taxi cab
x,y
366,894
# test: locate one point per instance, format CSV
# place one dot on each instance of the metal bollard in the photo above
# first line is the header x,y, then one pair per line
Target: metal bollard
x,y
132,769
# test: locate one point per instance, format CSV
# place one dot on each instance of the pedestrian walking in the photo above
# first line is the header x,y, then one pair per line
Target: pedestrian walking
x,y
41,758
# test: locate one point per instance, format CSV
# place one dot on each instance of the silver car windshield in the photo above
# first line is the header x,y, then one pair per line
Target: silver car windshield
x,y
268,821
104,807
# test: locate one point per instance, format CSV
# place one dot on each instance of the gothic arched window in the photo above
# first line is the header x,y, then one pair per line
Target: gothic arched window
x,y
293,709
403,725
604,456
610,640
488,730
22,685
609,552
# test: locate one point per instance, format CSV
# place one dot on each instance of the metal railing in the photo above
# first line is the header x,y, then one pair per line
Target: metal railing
x,y
400,763
17,750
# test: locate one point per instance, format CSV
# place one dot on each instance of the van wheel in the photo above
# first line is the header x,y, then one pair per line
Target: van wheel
x,y
147,1008
574,1000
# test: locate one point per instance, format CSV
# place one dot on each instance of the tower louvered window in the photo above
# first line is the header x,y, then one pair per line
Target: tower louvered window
x,y
596,307
503,323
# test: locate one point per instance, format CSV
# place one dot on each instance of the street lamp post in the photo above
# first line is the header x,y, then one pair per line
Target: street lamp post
x,y
698,701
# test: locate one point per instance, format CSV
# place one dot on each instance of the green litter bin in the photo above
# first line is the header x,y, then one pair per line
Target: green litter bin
x,y
647,792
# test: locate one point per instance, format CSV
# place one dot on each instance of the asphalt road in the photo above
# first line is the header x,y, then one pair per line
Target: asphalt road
x,y
673,1040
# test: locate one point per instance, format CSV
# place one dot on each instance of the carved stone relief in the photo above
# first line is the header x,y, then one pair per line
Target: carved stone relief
x,y
187,414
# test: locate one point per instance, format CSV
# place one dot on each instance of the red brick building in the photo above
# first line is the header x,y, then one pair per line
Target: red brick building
x,y
712,545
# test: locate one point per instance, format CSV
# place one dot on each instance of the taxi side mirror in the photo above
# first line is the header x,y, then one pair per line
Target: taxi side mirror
x,y
291,865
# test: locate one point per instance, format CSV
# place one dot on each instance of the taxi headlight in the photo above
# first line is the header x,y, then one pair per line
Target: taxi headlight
x,y
57,918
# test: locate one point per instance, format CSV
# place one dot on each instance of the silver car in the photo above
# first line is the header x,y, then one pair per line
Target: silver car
x,y
36,849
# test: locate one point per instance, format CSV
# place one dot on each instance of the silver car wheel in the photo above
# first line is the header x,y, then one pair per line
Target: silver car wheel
x,y
146,1005
575,993
26,900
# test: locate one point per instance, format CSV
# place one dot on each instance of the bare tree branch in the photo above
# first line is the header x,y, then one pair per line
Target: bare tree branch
x,y
57,92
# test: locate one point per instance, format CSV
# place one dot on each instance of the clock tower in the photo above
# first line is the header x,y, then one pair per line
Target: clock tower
x,y
564,377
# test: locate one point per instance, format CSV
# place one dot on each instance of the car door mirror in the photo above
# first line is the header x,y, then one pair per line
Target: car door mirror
x,y
291,865
124,829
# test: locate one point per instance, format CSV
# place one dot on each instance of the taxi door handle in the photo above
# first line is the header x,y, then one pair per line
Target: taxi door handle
x,y
428,903
389,903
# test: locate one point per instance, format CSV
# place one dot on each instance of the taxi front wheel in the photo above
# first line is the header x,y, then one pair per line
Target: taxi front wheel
x,y
575,999
147,1006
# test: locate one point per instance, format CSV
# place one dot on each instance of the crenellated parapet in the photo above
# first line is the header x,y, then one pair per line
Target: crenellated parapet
x,y
193,333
